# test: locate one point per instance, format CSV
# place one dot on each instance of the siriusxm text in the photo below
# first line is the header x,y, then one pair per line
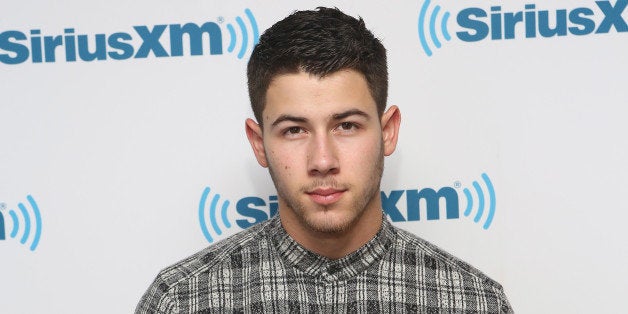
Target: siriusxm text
x,y
255,209
480,24
159,40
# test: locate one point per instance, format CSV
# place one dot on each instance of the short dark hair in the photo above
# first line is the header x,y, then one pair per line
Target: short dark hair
x,y
318,42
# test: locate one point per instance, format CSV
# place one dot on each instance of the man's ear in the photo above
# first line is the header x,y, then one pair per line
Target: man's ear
x,y
391,119
256,138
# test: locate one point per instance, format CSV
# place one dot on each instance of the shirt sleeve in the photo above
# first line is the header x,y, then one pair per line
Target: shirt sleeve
x,y
506,308
157,300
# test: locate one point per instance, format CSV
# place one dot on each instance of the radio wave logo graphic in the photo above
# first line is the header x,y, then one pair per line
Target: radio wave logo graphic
x,y
430,27
482,201
211,212
27,229
244,42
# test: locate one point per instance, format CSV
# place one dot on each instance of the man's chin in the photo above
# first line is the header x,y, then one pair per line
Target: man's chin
x,y
325,222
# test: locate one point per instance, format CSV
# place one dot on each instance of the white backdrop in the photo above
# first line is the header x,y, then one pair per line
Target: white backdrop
x,y
116,154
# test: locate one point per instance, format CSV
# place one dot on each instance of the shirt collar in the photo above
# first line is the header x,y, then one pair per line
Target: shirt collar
x,y
319,266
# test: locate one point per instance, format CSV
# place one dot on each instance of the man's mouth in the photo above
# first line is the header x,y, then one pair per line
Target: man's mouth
x,y
325,196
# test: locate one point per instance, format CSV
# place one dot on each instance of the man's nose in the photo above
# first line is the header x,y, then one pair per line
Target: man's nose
x,y
322,156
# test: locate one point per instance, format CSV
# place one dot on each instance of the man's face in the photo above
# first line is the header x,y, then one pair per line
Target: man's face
x,y
323,143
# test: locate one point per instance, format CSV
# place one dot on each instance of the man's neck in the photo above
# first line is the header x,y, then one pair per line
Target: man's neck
x,y
337,244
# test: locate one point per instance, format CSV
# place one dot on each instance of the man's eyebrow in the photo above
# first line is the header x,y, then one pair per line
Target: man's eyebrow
x,y
351,112
336,116
287,117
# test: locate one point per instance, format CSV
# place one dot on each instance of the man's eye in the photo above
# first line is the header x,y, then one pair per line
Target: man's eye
x,y
347,126
294,130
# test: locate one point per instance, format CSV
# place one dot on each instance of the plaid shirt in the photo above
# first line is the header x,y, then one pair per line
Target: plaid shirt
x,y
263,270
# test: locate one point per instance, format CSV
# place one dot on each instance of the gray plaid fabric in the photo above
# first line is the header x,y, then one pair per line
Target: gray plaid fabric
x,y
263,270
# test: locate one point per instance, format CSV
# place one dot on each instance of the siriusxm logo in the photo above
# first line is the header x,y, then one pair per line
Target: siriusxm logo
x,y
250,208
29,227
476,24
253,209
432,199
164,40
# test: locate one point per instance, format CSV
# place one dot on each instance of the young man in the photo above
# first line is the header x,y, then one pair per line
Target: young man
x,y
318,88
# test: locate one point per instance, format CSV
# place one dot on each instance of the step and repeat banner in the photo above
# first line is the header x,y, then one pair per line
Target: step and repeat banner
x,y
122,144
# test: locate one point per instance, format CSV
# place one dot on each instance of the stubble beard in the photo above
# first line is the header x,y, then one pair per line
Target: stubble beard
x,y
330,225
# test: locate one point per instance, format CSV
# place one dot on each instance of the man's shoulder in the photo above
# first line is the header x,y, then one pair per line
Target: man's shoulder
x,y
214,256
437,258
441,271
163,296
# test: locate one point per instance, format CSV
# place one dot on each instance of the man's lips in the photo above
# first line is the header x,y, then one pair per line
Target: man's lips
x,y
325,196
